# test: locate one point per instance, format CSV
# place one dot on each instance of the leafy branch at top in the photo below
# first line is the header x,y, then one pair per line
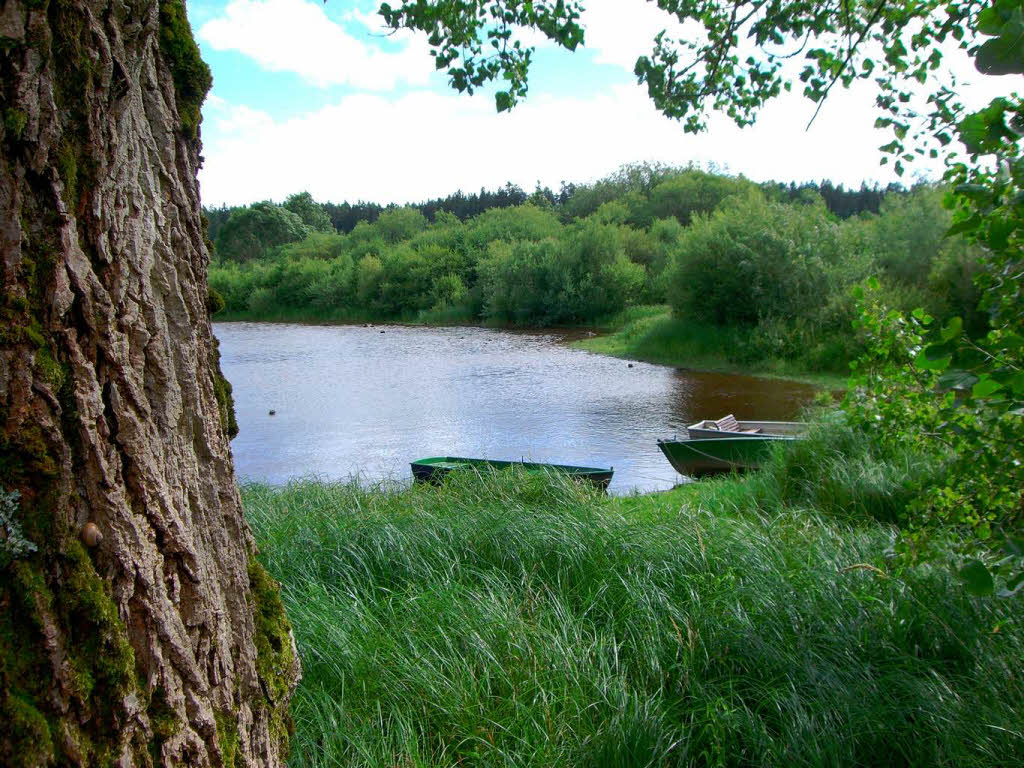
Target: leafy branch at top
x,y
732,56
477,42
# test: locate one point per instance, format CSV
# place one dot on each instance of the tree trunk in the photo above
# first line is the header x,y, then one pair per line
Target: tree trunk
x,y
163,641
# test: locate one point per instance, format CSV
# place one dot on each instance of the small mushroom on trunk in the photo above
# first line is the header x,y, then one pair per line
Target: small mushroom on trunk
x,y
91,535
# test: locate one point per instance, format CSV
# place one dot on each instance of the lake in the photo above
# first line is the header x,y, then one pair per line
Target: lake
x,y
355,401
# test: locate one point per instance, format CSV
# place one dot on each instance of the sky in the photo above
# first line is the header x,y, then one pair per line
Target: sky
x,y
312,96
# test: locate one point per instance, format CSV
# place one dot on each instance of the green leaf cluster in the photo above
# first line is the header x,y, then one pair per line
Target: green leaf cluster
x,y
1003,21
478,41
933,389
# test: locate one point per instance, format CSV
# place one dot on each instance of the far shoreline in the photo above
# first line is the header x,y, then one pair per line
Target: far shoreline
x,y
630,335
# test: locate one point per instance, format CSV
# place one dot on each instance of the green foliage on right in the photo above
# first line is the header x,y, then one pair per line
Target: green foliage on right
x,y
955,393
972,438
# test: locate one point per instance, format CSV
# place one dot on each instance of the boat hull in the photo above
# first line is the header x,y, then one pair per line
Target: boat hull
x,y
433,470
711,456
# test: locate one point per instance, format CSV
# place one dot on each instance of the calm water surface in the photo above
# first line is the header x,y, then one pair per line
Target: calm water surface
x,y
351,400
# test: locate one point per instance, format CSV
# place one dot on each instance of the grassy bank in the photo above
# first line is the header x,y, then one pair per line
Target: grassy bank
x,y
507,621
651,334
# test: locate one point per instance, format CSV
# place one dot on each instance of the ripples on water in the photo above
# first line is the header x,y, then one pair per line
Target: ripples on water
x,y
352,400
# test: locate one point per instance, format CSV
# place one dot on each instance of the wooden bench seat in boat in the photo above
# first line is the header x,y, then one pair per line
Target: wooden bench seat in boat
x,y
729,424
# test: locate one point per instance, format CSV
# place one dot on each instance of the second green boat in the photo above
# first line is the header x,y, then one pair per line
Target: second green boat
x,y
433,469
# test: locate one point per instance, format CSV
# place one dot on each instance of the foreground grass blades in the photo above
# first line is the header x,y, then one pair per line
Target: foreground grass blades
x,y
517,621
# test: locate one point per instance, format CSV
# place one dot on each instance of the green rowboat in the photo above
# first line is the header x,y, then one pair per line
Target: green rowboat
x,y
709,456
433,470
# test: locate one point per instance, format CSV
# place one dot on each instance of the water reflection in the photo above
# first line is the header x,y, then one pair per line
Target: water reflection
x,y
701,395
349,399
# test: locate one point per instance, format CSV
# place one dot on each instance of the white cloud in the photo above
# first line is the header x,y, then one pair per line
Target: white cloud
x,y
237,119
619,31
297,36
427,144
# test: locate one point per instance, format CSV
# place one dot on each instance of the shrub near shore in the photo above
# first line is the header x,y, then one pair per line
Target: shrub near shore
x,y
509,620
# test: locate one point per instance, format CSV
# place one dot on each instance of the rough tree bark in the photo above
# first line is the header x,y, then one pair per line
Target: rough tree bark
x,y
163,642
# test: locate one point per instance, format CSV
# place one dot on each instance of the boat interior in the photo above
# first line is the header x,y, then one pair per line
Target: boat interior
x,y
726,424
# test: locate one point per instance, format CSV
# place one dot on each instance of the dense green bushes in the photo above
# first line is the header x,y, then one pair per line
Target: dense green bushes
x,y
755,260
256,232
511,225
582,276
309,211
779,272
772,271
782,273
512,265
693,193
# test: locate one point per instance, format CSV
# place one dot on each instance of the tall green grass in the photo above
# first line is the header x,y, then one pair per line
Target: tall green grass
x,y
836,472
513,621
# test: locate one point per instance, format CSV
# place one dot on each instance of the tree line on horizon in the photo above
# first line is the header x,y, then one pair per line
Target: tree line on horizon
x,y
774,263
345,216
